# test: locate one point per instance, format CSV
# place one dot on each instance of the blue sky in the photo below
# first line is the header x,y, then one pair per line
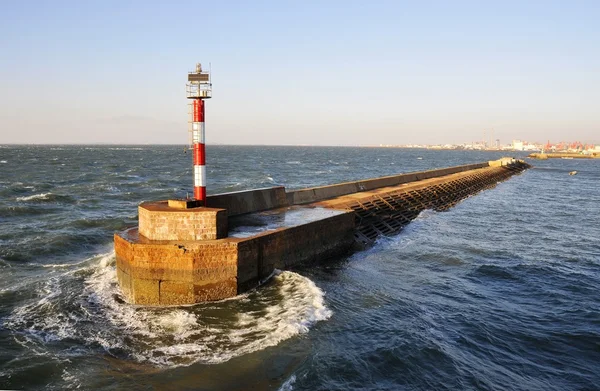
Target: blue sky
x,y
317,73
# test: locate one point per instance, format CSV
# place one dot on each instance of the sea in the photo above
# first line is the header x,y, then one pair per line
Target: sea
x,y
501,292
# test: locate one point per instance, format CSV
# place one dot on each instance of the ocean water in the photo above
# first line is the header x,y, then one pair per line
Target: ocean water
x,y
499,293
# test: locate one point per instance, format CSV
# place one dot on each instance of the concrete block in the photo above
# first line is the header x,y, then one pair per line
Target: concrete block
x,y
176,293
145,292
215,291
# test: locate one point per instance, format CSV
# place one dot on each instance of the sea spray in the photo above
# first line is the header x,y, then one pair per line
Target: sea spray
x,y
288,305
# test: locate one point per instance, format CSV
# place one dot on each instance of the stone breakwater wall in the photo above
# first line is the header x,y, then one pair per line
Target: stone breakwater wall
x,y
564,155
386,211
189,255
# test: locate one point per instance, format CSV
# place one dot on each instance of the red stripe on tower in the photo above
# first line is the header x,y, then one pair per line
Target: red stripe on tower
x,y
198,110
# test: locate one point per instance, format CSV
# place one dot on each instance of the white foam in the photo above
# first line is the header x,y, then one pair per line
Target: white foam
x,y
426,214
43,196
71,380
179,322
289,384
39,318
3,162
97,315
180,336
84,262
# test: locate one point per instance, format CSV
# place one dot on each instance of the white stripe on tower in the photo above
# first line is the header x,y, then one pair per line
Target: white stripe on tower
x,y
197,132
199,176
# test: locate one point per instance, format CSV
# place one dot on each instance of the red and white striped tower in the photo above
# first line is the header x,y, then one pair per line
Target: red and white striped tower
x,y
198,88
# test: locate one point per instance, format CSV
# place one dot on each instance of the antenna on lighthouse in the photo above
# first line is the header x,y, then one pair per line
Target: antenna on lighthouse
x,y
198,88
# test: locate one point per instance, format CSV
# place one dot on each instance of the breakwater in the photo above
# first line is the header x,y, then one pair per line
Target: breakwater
x,y
564,155
183,254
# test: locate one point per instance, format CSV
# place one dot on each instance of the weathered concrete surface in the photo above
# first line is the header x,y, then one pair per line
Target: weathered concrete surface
x,y
175,272
286,247
506,161
179,268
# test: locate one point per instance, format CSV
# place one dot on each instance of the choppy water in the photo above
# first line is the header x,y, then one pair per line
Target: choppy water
x,y
499,293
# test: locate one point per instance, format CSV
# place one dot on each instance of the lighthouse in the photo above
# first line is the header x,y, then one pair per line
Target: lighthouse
x,y
198,88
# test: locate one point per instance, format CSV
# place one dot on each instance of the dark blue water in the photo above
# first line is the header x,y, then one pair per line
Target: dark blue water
x,y
498,293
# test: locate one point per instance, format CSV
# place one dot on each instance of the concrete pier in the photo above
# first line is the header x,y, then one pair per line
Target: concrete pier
x,y
183,254
564,155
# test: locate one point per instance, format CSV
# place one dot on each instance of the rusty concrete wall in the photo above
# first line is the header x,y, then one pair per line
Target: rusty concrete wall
x,y
249,201
154,272
169,273
285,248
314,194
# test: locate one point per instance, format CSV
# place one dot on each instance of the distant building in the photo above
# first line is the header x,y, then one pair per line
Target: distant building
x,y
517,145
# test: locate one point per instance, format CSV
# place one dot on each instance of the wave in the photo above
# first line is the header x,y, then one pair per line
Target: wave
x,y
495,272
108,223
209,333
114,149
46,197
19,188
183,336
25,210
43,196
288,385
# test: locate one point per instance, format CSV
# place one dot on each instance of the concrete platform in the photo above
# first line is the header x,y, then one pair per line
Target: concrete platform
x,y
244,226
170,272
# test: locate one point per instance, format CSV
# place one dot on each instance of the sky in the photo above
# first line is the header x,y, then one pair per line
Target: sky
x,y
301,72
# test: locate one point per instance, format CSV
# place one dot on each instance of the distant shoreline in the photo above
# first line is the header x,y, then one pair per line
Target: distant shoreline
x,y
564,155
95,145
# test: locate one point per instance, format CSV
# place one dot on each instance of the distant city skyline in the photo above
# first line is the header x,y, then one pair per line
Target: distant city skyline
x,y
309,73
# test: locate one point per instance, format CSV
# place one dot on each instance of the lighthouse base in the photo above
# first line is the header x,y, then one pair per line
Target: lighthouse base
x,y
175,272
